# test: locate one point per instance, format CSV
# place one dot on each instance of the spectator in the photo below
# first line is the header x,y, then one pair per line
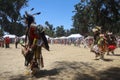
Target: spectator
x,y
7,42
16,41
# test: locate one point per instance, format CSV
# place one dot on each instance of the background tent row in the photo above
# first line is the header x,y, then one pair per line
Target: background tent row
x,y
63,37
72,36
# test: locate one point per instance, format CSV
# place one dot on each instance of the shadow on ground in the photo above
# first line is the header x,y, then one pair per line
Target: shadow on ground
x,y
110,74
107,60
42,73
75,71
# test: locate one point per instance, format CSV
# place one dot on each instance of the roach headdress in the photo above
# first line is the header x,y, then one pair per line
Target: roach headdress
x,y
30,17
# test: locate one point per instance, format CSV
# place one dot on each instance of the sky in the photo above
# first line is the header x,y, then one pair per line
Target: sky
x,y
56,12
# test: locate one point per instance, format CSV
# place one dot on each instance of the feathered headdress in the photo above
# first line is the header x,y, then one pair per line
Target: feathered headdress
x,y
30,17
97,28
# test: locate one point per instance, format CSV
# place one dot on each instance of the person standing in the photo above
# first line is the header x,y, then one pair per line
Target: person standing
x,y
7,42
16,41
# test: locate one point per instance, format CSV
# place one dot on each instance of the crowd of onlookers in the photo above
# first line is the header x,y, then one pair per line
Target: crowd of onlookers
x,y
86,42
5,42
1,42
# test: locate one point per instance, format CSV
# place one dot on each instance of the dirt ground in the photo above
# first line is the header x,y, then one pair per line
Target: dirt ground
x,y
62,62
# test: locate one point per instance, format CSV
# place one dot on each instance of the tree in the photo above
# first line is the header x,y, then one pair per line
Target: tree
x,y
67,32
73,31
10,14
49,30
81,18
60,31
89,13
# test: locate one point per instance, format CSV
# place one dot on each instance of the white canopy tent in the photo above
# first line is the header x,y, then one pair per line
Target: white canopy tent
x,y
75,36
12,37
22,36
89,37
45,35
9,35
63,37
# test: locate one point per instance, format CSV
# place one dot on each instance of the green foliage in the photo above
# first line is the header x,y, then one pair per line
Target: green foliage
x,y
1,32
16,28
89,13
10,15
67,32
56,32
73,31
49,29
60,31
